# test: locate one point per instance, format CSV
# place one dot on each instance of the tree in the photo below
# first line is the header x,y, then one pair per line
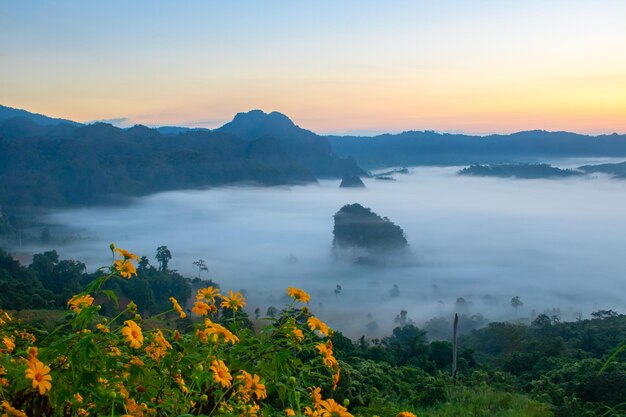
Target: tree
x,y
402,319
271,311
604,314
516,303
144,264
201,264
395,291
337,290
461,304
163,256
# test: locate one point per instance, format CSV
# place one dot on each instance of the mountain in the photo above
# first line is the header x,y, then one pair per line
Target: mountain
x,y
176,130
9,112
56,162
431,148
312,151
93,163
351,181
617,170
521,171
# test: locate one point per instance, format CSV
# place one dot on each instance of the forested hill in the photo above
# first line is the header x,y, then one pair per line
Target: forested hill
x,y
431,148
71,164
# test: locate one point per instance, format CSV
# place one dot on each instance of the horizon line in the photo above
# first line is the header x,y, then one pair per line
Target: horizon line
x,y
356,132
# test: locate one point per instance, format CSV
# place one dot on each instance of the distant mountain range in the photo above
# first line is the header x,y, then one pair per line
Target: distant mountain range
x,y
431,148
48,162
56,165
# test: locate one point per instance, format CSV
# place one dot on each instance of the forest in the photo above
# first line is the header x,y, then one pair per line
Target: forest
x,y
542,368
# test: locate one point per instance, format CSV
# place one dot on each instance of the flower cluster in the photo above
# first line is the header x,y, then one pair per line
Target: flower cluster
x,y
133,366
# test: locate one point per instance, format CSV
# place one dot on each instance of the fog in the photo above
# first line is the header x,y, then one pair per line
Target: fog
x,y
554,243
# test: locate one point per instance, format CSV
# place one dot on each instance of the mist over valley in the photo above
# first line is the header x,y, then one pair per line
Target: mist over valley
x,y
554,243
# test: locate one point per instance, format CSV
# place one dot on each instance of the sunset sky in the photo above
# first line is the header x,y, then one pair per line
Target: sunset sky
x,y
332,66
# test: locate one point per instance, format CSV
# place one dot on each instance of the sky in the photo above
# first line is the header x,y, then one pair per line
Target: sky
x,y
332,66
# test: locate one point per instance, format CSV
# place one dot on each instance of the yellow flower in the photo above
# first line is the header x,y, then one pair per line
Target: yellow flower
x,y
326,350
13,412
29,337
102,328
252,385
336,378
9,343
160,339
221,373
316,396
125,268
405,414
207,294
155,352
134,409
329,408
316,324
181,382
5,317
297,334
78,397
178,308
133,334
126,254
251,411
134,360
234,301
158,349
310,413
32,354
78,302
39,373
214,331
114,351
298,294
289,412
202,309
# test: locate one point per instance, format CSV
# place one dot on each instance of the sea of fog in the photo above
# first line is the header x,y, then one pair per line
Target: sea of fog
x,y
558,243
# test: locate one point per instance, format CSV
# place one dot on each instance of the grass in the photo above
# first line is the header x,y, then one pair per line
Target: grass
x,y
487,402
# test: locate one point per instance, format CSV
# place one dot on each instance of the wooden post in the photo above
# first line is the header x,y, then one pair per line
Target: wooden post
x,y
454,347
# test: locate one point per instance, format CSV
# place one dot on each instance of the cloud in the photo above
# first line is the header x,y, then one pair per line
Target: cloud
x,y
117,121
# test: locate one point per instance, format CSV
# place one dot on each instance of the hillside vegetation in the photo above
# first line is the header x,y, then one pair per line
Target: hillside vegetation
x,y
136,340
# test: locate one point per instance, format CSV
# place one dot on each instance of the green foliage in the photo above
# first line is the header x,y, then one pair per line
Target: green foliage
x,y
49,282
487,402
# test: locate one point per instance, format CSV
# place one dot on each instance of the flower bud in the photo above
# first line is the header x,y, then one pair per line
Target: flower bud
x,y
346,402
